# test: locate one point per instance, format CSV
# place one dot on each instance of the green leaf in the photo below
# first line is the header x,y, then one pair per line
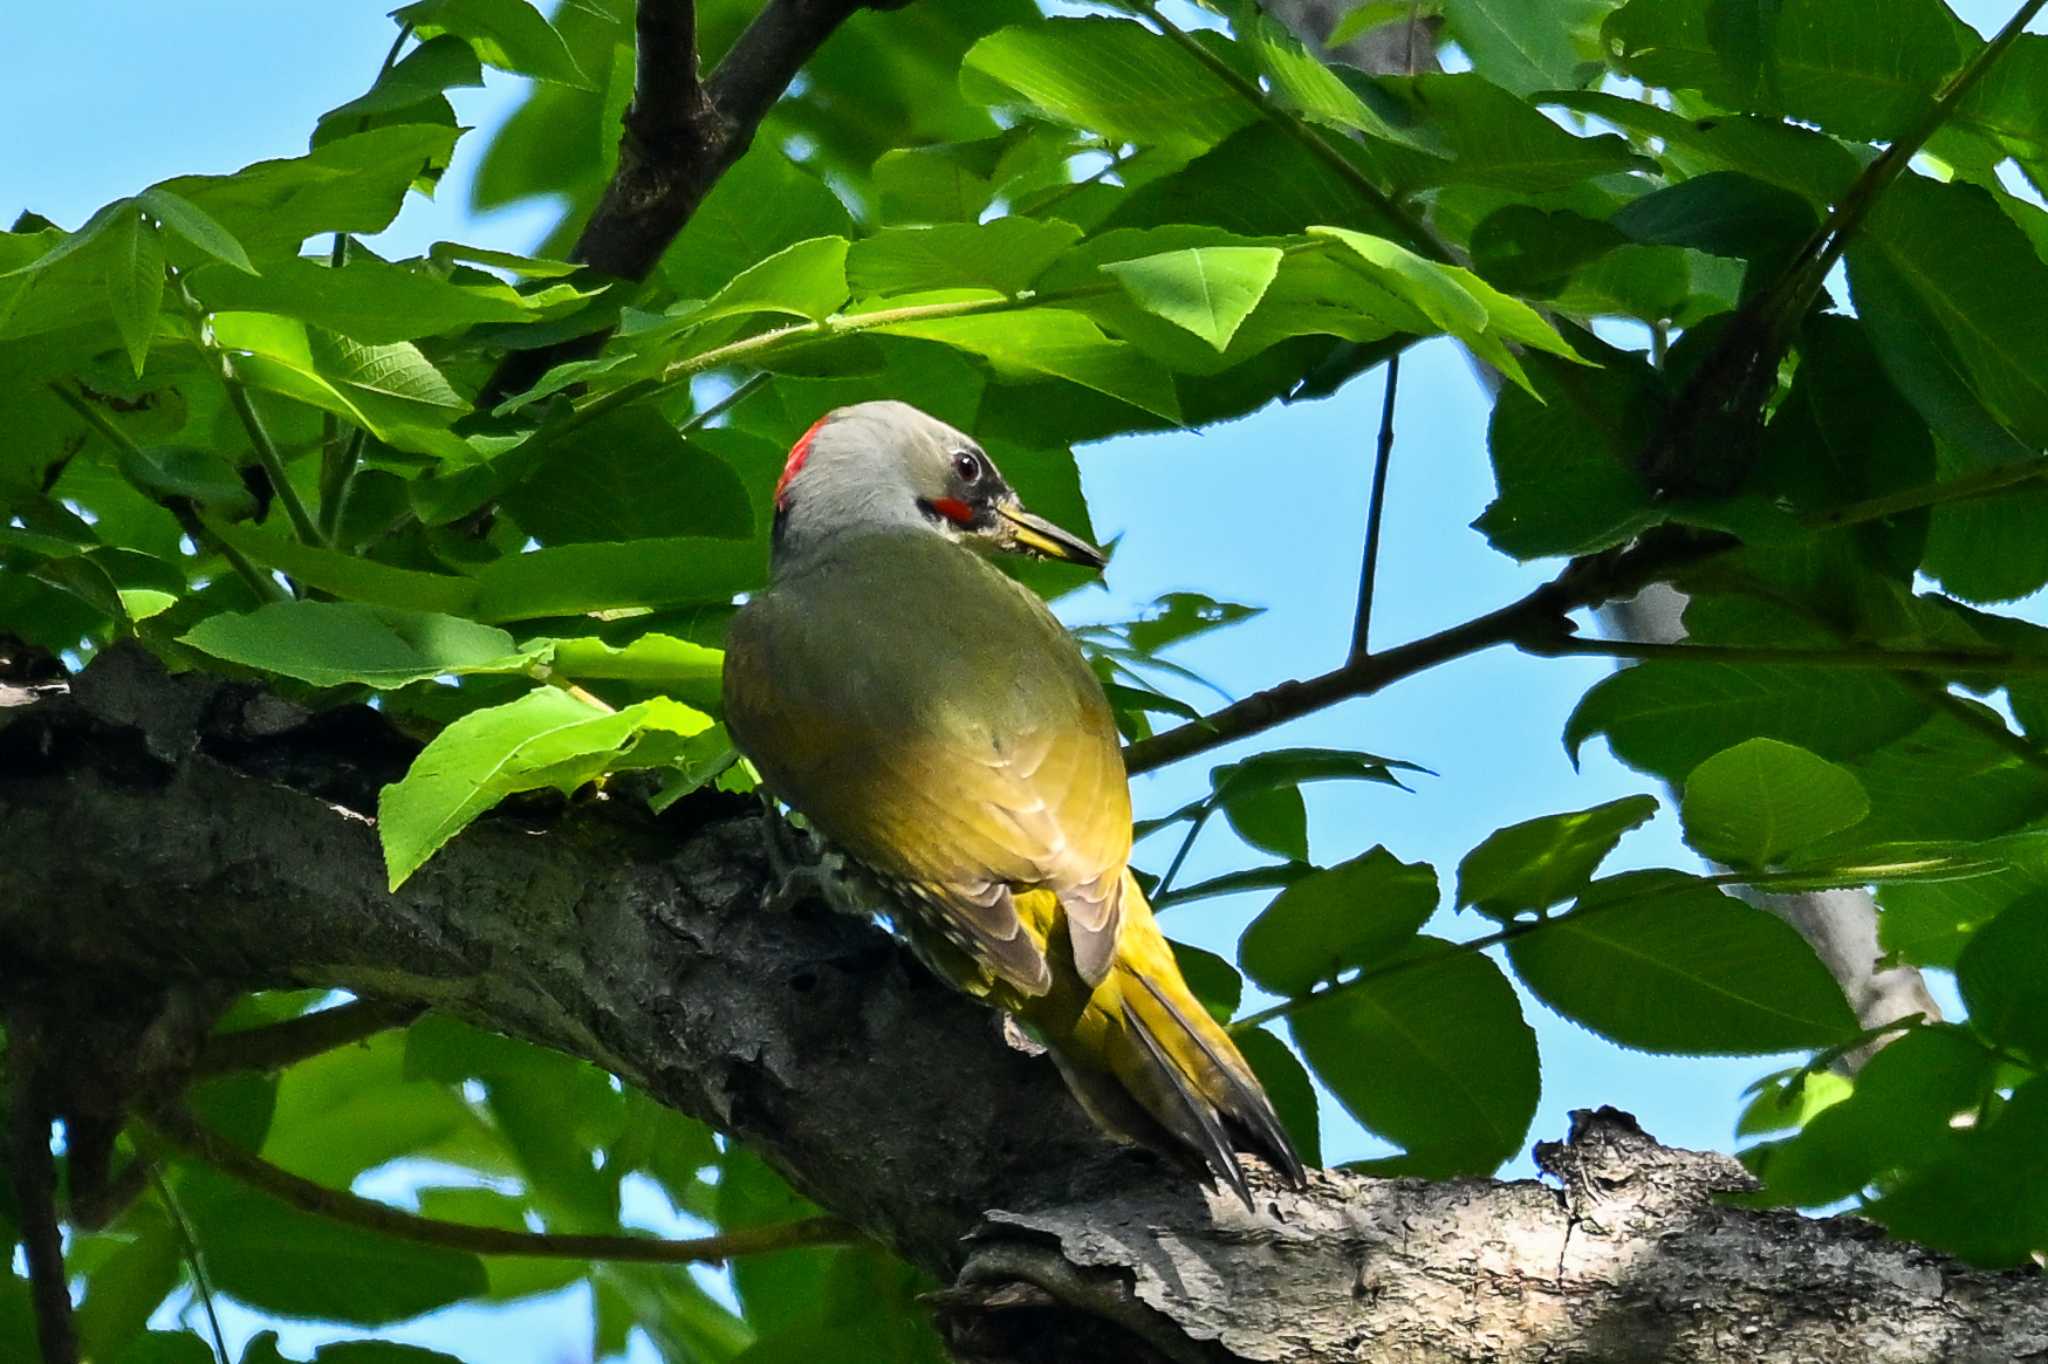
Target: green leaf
x,y
332,644
277,1259
188,471
1896,1117
1542,862
1209,291
806,279
1431,1054
392,391
1668,717
1666,963
1867,73
1271,818
1980,281
1005,255
1177,616
574,579
134,274
355,184
1529,45
184,219
1983,1198
1533,251
1486,136
1215,981
1053,343
1301,80
371,301
1357,913
546,739
349,575
408,90
1750,805
627,475
1725,213
1788,1104
508,34
763,204
676,666
1110,76
2002,981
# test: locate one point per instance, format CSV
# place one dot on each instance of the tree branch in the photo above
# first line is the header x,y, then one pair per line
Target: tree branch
x,y
642,945
1533,622
179,1129
30,1112
1375,509
277,1045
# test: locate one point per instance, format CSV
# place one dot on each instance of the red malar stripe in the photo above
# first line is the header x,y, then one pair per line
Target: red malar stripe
x,y
954,510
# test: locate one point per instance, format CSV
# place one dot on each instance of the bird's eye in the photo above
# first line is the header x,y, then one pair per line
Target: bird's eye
x,y
968,466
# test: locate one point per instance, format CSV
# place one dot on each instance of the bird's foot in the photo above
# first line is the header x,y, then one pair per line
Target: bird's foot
x,y
803,868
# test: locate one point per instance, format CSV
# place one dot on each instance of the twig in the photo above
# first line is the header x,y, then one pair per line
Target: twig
x,y
1187,845
1539,615
1968,488
272,462
189,1245
181,1130
1375,508
740,393
276,1045
1883,660
35,1190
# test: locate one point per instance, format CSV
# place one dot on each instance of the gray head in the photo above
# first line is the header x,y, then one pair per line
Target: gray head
x,y
887,466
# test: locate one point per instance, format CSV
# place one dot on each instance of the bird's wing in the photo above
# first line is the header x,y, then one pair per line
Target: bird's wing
x,y
970,757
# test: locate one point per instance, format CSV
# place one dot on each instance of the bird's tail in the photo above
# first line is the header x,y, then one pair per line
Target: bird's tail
x,y
1150,1064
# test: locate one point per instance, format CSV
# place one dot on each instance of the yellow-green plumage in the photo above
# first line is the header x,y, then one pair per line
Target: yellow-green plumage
x,y
933,719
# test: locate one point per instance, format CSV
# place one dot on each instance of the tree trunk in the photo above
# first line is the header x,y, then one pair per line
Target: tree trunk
x,y
172,837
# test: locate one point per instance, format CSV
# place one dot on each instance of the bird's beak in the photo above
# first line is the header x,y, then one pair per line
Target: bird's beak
x,y
1030,534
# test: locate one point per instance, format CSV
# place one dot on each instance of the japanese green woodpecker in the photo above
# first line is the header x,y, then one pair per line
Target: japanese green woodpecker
x,y
931,719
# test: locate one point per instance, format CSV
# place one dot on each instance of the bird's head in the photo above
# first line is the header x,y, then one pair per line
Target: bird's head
x,y
886,465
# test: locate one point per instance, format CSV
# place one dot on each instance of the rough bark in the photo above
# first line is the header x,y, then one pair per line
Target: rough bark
x,y
168,838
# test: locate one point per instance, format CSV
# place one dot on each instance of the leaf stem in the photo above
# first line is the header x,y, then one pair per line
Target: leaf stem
x,y
740,393
337,481
268,456
181,1130
1969,487
1375,508
1187,845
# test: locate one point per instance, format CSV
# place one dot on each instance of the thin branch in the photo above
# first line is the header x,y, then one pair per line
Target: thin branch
x,y
273,463
188,1244
740,393
337,481
277,1045
1538,616
35,1190
181,1130
1368,571
1832,239
1882,660
1180,857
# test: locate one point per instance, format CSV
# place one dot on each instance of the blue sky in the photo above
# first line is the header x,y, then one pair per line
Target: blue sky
x,y
1268,511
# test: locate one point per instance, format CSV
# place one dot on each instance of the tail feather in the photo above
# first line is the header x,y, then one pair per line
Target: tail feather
x,y
1150,1064
1243,1103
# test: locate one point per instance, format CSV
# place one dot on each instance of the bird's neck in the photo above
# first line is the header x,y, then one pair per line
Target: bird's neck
x,y
815,525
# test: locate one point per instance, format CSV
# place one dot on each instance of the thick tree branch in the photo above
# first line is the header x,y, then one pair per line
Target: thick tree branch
x,y
30,1113
143,810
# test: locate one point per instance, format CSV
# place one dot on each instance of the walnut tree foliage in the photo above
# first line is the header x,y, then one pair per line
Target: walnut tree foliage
x,y
1763,285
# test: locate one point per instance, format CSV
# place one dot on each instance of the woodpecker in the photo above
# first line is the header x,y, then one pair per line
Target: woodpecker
x,y
932,720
